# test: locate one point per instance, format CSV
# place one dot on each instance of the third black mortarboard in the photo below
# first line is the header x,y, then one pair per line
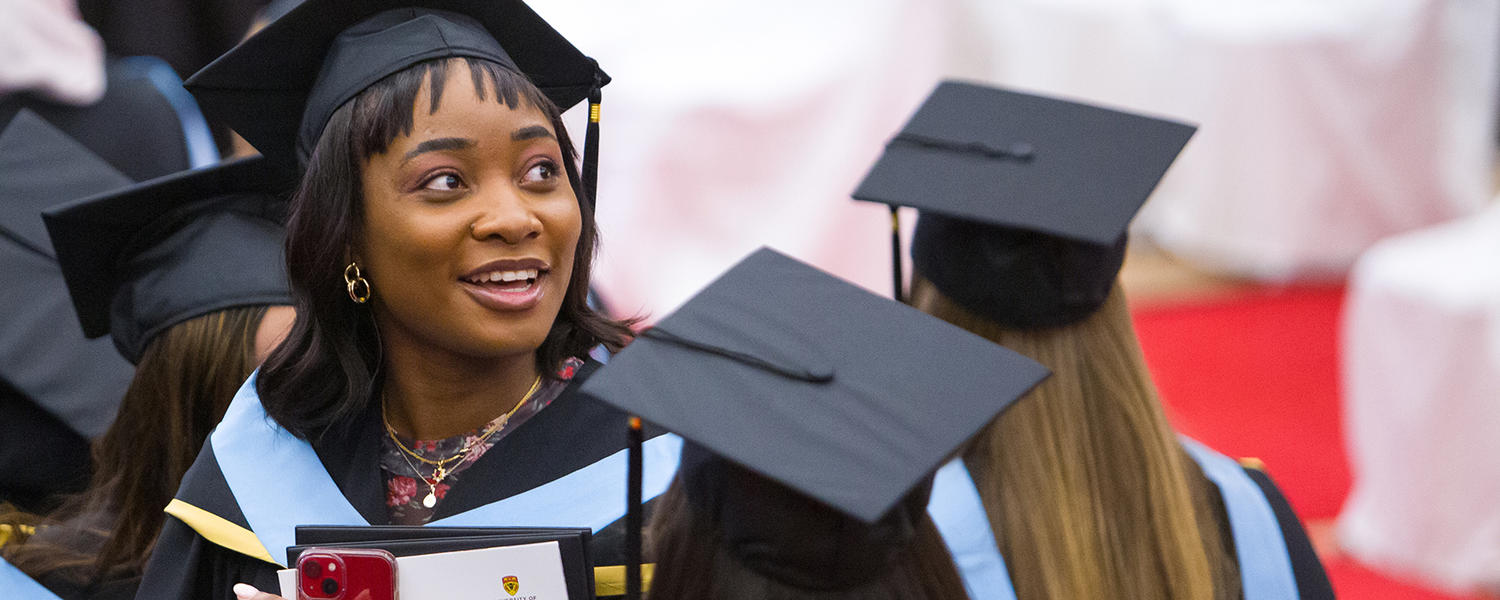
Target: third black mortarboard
x,y
155,254
278,88
797,377
1028,171
77,380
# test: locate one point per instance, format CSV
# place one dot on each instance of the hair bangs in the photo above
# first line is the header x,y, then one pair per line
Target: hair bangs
x,y
388,108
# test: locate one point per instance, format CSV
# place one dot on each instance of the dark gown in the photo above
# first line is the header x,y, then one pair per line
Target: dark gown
x,y
573,432
41,457
1312,580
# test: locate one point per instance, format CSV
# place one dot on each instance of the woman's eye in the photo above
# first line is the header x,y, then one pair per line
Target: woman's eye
x,y
541,172
446,182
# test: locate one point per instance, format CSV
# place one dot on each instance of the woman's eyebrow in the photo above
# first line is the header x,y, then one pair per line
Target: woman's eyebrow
x,y
530,133
448,143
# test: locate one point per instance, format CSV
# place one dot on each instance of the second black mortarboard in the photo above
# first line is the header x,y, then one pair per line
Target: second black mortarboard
x,y
278,88
1038,177
152,255
800,378
77,380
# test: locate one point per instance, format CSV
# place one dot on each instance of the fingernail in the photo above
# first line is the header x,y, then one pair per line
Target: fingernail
x,y
245,591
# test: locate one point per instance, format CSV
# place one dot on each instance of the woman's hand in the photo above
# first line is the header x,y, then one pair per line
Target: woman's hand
x,y
245,591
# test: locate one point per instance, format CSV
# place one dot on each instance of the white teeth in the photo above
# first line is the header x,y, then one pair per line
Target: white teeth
x,y
507,276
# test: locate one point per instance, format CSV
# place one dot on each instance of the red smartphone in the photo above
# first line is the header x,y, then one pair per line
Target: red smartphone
x,y
346,574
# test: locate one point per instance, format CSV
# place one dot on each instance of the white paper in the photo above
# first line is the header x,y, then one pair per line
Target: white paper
x,y
480,574
288,579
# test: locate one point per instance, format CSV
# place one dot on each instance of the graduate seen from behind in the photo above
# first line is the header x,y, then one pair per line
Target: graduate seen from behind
x,y
44,402
810,439
439,251
184,273
1087,489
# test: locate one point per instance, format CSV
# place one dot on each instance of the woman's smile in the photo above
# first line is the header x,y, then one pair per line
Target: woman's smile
x,y
507,284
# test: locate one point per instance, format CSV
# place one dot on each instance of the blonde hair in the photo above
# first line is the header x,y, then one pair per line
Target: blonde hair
x,y
1087,488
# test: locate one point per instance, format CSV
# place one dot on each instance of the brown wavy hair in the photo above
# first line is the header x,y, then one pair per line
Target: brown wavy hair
x,y
182,386
1087,489
327,368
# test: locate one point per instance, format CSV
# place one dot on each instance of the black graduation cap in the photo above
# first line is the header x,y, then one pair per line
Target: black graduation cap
x,y
807,382
155,254
276,9
1022,162
278,88
75,379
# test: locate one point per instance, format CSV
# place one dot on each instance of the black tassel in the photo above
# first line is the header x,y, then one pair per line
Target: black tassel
x,y
633,515
896,291
591,147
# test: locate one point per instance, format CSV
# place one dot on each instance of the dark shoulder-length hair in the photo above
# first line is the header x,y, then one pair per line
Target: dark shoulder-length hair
x,y
692,563
327,367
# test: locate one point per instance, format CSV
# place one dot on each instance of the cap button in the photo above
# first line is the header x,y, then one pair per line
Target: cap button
x,y
1022,151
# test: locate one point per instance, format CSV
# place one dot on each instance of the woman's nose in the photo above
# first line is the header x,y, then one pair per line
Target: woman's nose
x,y
504,215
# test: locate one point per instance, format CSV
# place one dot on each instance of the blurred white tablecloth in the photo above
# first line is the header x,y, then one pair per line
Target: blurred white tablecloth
x,y
1422,404
1324,126
733,124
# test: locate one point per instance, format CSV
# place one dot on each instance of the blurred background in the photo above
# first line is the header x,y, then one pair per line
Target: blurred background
x,y
1316,283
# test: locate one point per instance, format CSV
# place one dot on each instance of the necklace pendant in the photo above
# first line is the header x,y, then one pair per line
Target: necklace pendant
x,y
430,501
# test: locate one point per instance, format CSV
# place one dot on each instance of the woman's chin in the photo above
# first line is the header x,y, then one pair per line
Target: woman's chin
x,y
507,344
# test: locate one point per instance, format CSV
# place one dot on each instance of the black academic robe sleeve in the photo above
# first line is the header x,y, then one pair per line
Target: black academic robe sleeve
x,y
1312,580
187,567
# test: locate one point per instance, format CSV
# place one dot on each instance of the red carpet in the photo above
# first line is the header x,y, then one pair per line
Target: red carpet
x,y
1256,374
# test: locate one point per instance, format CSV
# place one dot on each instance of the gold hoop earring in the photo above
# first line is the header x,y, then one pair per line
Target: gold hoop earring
x,y
359,287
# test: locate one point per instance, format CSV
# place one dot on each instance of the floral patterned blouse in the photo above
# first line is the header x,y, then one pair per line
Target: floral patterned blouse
x,y
405,488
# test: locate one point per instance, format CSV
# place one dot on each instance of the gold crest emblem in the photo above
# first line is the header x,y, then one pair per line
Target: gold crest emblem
x,y
511,583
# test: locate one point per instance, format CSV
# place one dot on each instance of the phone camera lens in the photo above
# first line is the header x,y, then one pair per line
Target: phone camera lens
x,y
330,586
311,569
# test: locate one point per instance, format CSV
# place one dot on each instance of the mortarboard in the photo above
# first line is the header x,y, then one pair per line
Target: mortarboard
x,y
1035,170
155,254
278,88
798,389
75,379
276,9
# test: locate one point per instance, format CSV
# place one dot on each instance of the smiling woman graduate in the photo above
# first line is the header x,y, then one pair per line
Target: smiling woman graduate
x,y
438,251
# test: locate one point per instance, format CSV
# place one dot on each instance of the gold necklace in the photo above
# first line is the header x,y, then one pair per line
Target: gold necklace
x,y
440,469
